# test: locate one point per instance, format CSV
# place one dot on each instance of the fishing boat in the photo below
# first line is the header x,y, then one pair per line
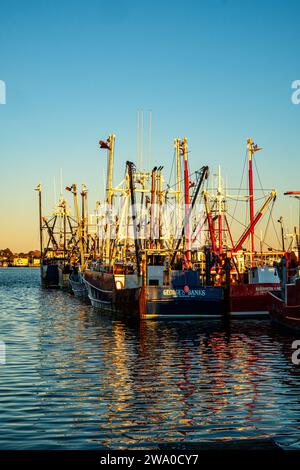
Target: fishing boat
x,y
247,277
115,289
49,273
179,295
55,273
62,244
75,277
284,306
158,293
142,263
156,277
285,310
250,299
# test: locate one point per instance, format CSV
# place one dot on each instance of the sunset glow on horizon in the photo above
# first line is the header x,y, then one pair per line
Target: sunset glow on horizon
x,y
215,72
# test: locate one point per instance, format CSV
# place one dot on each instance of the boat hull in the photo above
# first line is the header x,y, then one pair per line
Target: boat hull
x,y
284,315
50,275
181,303
250,299
104,295
64,276
79,289
155,301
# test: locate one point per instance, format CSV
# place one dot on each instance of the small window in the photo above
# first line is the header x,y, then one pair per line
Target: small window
x,y
153,282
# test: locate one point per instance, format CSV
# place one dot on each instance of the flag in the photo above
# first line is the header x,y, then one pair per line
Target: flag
x,y
104,144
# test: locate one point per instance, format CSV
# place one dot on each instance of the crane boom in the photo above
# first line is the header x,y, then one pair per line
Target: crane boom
x,y
210,223
203,174
250,227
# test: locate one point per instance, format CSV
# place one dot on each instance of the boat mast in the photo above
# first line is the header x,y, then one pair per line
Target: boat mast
x,y
64,206
280,220
152,205
84,225
220,210
131,169
109,144
73,189
184,150
39,189
159,205
97,241
178,179
251,149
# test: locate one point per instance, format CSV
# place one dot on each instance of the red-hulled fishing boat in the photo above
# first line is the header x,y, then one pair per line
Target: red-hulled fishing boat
x,y
251,298
284,307
247,283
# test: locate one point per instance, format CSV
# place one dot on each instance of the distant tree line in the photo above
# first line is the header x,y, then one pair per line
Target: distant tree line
x,y
8,255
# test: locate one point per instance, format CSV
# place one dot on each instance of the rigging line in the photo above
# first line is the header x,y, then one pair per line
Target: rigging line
x,y
172,167
270,209
267,225
261,186
238,221
170,204
205,220
260,198
279,243
239,190
290,245
256,236
231,198
206,183
199,231
190,175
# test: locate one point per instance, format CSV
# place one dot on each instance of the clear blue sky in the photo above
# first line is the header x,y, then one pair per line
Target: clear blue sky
x,y
216,71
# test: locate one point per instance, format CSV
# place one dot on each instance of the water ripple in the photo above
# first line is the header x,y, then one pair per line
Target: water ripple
x,y
77,380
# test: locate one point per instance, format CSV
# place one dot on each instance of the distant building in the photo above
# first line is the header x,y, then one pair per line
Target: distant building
x,y
21,259
20,262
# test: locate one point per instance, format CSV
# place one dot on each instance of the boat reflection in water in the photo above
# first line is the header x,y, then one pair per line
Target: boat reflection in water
x,y
82,380
187,383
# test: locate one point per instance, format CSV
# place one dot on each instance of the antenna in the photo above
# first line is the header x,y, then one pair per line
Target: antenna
x,y
219,179
138,138
104,184
54,190
61,185
149,140
141,142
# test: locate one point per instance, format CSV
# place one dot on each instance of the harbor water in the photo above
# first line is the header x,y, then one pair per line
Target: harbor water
x,y
76,379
